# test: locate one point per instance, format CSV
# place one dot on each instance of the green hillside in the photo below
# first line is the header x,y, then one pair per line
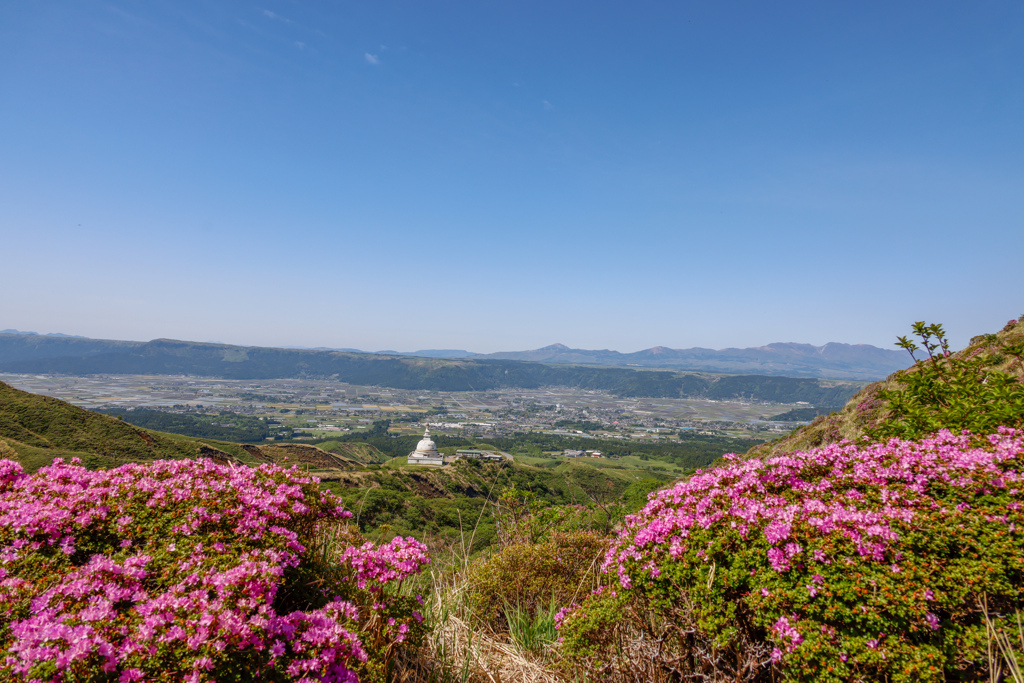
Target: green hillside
x,y
986,360
35,429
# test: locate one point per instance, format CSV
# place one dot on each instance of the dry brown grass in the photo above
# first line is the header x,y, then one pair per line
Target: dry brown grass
x,y
461,648
489,658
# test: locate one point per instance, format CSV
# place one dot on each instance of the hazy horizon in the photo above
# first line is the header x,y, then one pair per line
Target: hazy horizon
x,y
394,349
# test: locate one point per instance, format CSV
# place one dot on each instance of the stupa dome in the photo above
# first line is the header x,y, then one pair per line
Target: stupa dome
x,y
426,452
426,444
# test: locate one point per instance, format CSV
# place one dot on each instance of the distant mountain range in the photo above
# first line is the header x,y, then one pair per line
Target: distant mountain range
x,y
860,362
833,360
48,334
20,353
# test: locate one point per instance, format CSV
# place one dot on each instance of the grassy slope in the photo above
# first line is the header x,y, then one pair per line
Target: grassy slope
x,y
471,479
866,409
354,450
36,429
630,466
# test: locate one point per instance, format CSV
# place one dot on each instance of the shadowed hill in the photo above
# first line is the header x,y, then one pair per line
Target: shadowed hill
x,y
20,347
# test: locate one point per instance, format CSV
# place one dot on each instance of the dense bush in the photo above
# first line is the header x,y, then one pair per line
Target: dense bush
x,y
533,576
192,571
846,563
543,557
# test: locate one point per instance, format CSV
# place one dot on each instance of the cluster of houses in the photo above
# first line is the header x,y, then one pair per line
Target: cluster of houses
x,y
479,455
569,453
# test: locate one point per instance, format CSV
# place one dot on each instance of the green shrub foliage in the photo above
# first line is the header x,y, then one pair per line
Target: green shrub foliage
x,y
955,392
545,556
532,576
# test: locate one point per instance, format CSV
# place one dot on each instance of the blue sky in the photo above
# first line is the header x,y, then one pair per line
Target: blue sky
x,y
505,175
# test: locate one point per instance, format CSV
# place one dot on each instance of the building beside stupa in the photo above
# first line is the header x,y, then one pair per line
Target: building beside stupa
x,y
426,452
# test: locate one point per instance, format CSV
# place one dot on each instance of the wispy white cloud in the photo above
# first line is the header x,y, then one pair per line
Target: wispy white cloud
x,y
274,15
547,105
372,59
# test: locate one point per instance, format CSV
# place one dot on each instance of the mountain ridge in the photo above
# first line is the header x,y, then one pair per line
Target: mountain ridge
x,y
833,360
28,354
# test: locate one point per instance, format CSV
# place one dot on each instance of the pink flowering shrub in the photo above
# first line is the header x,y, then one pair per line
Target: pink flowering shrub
x,y
390,617
845,563
180,571
375,566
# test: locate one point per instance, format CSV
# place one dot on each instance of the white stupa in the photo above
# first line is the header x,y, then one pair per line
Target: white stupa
x,y
426,452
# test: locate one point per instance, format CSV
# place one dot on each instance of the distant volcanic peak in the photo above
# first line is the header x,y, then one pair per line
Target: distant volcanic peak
x,y
653,349
555,347
36,334
792,346
857,347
